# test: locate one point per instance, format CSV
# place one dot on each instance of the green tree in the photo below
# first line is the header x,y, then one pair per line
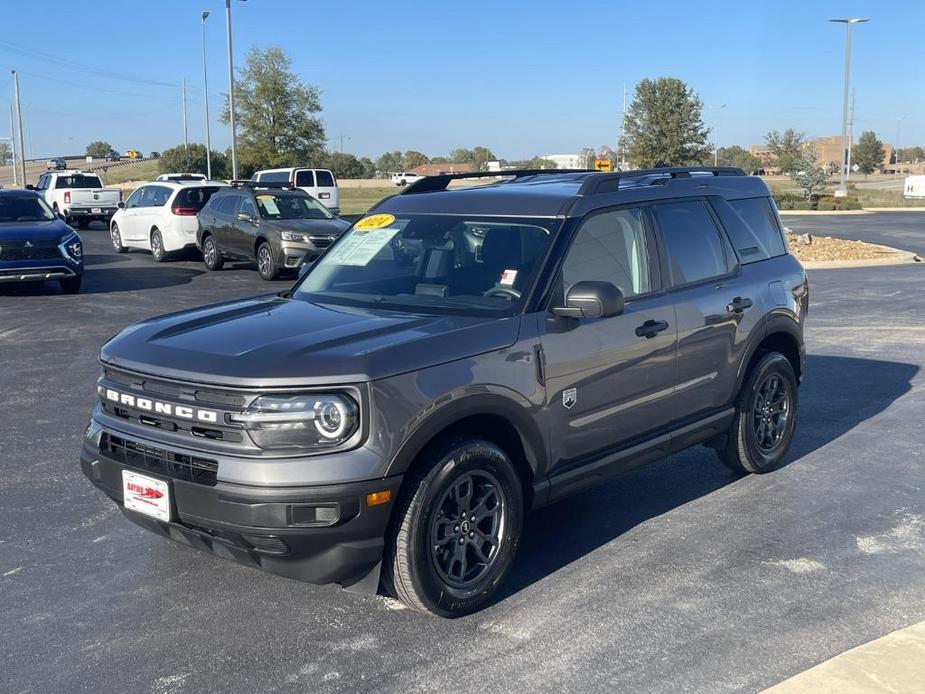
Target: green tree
x,y
192,159
737,156
440,160
390,162
586,157
98,149
413,159
481,155
369,167
461,156
344,165
6,154
786,147
664,125
916,154
276,114
810,175
534,163
868,153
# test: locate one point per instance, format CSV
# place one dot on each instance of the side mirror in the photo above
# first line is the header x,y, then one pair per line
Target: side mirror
x,y
245,217
120,205
591,299
29,186
60,216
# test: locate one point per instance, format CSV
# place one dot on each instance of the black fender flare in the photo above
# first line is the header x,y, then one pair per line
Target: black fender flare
x,y
775,323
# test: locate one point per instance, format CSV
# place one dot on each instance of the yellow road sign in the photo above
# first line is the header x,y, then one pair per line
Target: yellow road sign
x,y
603,165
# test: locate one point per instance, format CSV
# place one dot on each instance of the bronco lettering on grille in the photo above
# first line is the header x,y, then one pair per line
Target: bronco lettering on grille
x,y
165,408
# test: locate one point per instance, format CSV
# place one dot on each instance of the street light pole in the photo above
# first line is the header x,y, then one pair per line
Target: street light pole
x,y
716,138
234,137
22,146
205,85
848,22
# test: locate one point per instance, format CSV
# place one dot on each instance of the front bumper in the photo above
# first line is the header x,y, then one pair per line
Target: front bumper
x,y
39,270
293,253
276,529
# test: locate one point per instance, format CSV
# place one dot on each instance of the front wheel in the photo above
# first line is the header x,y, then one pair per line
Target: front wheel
x,y
116,236
157,247
71,285
266,266
765,418
456,528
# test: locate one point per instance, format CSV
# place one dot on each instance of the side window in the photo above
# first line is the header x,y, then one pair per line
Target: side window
x,y
611,247
147,197
326,179
134,200
248,207
754,230
275,177
159,196
692,241
228,204
305,178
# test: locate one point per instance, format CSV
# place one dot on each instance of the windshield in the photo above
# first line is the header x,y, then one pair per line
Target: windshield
x,y
24,208
274,206
431,264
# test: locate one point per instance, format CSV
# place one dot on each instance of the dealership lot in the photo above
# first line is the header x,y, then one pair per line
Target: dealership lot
x,y
680,575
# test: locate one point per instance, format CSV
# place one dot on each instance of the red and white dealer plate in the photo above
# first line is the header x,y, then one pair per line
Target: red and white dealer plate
x,y
146,495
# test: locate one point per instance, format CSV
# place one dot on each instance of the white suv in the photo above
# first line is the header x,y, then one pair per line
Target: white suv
x,y
404,178
319,183
161,217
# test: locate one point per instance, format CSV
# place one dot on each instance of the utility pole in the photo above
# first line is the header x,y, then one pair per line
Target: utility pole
x,y
185,134
205,85
22,147
341,138
623,132
850,136
848,22
13,146
234,137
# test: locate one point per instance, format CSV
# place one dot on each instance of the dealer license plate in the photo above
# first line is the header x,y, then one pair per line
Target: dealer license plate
x,y
146,495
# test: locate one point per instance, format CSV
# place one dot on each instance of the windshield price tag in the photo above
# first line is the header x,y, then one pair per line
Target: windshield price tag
x,y
359,248
268,202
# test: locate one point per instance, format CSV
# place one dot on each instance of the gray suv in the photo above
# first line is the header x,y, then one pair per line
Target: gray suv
x,y
458,358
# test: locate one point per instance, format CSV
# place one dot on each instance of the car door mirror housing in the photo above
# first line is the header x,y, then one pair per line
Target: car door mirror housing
x,y
245,217
120,205
591,299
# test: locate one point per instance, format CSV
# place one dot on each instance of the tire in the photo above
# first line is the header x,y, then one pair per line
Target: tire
x,y
116,237
83,223
419,567
157,247
266,265
761,432
211,256
71,285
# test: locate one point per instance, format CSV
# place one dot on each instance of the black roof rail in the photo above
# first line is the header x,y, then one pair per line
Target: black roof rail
x,y
430,184
609,182
247,183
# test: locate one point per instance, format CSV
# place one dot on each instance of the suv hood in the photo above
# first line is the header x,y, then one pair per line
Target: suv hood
x,y
272,341
309,226
35,231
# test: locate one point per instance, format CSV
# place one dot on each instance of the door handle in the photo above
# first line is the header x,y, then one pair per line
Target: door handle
x,y
738,304
651,328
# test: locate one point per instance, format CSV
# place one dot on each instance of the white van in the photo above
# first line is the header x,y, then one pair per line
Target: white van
x,y
319,183
914,187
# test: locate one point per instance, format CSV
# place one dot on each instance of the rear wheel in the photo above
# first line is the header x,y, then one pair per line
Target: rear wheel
x,y
83,223
157,247
71,285
211,257
116,236
455,529
266,266
765,419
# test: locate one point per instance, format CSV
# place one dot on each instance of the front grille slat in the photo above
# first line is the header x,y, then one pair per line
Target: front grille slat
x,y
188,468
23,249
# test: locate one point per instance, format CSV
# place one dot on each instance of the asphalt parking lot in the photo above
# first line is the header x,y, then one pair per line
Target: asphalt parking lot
x,y
680,576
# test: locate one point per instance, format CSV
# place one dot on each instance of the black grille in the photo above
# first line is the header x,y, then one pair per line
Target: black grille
x,y
321,241
20,249
206,396
160,461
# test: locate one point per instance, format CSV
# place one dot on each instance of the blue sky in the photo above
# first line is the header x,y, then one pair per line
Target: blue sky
x,y
520,77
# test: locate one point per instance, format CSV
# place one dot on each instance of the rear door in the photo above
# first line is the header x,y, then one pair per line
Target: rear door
x,y
326,187
244,233
608,379
715,306
127,220
304,179
224,222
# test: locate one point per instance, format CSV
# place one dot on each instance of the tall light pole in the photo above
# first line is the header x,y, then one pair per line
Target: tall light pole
x,y
185,131
848,22
898,169
13,146
22,146
715,138
205,85
234,136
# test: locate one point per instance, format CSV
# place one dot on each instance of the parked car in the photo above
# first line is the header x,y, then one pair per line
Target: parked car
x,y
403,178
180,177
79,196
319,183
113,156
278,228
36,245
161,217
55,165
396,421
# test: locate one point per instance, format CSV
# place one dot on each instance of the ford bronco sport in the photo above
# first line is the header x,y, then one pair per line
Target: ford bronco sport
x,y
455,359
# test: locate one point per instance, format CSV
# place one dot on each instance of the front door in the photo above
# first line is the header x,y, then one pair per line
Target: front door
x,y
128,221
609,380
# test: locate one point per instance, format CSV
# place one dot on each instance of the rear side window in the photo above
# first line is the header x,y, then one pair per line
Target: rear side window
x,y
78,181
226,204
274,177
305,178
195,198
692,241
754,230
325,179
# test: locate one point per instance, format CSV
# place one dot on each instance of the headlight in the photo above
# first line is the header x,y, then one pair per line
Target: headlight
x,y
293,236
72,246
308,420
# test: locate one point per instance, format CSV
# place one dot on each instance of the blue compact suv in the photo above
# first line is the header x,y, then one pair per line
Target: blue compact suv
x,y
36,245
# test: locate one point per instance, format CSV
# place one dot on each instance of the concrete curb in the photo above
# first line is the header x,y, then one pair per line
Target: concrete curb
x,y
893,663
897,257
784,213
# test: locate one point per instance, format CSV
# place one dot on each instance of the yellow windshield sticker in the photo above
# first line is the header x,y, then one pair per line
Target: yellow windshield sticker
x,y
376,221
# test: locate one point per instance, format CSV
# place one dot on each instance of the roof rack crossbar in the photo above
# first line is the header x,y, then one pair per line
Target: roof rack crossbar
x,y
430,184
609,182
247,183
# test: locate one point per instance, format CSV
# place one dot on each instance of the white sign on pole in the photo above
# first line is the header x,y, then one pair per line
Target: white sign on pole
x,y
89,159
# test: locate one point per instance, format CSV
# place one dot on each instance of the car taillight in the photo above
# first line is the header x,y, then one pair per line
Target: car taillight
x,y
67,196
184,211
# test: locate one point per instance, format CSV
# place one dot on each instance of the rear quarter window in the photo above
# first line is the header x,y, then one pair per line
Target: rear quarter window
x,y
753,229
195,197
325,179
274,177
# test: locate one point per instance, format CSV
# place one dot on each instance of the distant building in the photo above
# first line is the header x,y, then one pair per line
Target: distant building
x,y
566,161
436,169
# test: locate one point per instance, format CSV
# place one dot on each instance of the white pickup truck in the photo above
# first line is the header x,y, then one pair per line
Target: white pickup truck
x,y
79,196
